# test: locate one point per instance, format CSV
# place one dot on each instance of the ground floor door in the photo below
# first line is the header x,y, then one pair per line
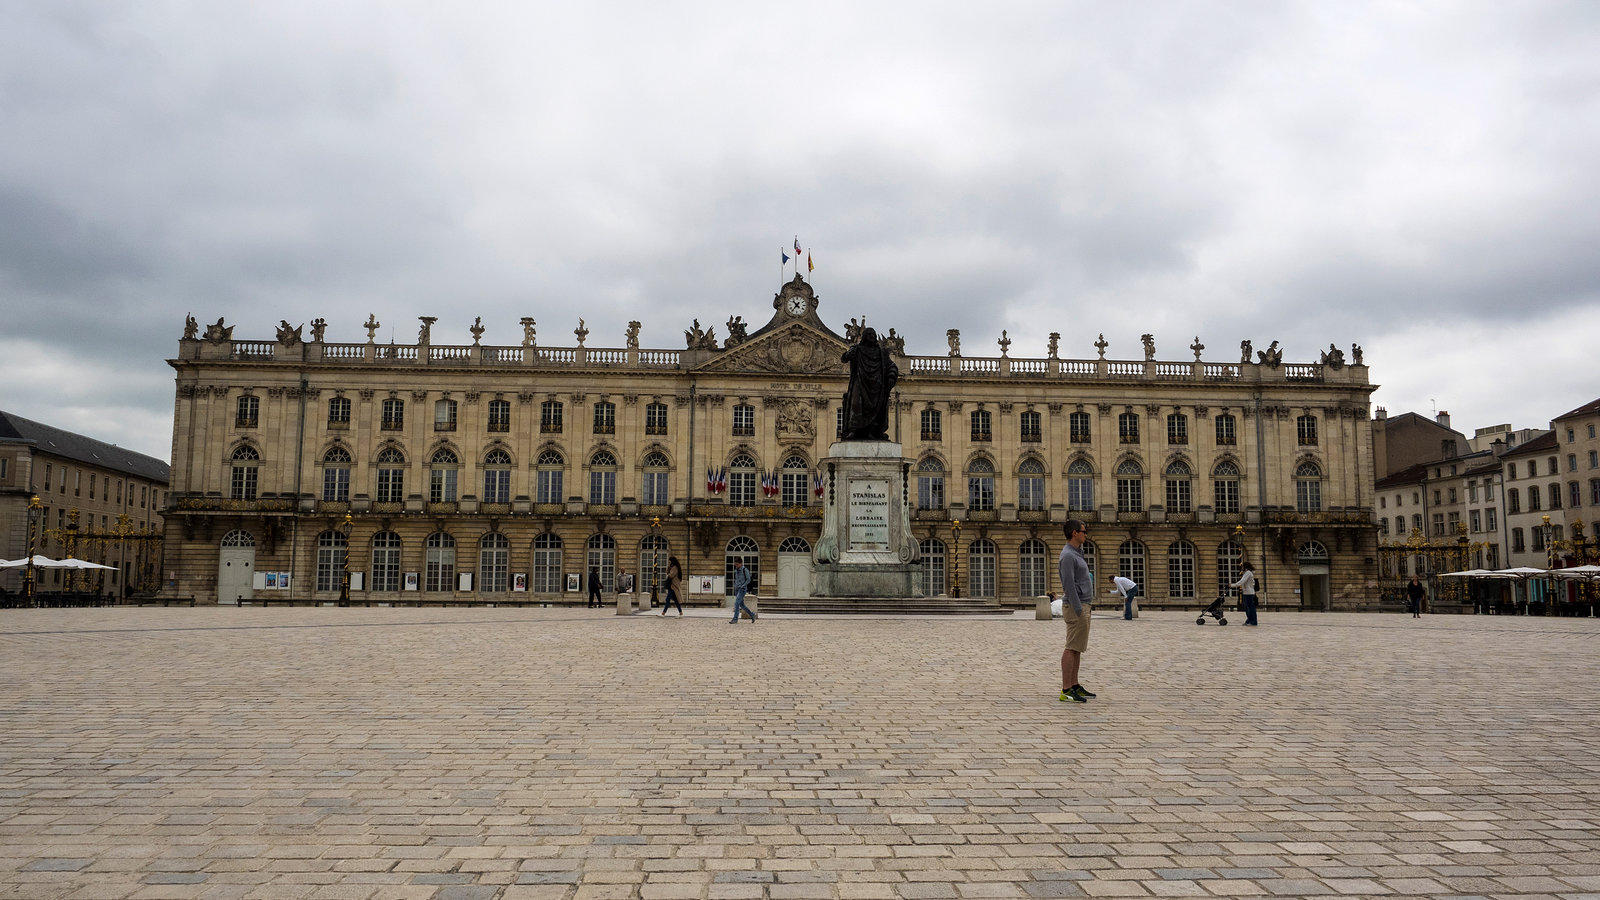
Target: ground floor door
x,y
794,568
1315,590
236,568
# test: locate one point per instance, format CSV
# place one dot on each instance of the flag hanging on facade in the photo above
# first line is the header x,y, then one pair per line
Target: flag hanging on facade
x,y
711,481
816,484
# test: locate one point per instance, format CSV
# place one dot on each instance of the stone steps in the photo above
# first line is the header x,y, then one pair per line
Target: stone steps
x,y
883,606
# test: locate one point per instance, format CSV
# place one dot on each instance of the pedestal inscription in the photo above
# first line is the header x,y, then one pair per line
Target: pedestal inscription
x,y
866,548
869,514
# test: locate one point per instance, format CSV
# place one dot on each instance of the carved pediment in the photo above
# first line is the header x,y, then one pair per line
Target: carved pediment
x,y
797,349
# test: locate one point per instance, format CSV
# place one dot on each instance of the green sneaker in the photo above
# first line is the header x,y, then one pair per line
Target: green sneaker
x,y
1081,691
1069,695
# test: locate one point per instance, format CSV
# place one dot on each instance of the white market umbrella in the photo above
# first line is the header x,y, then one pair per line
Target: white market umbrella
x,y
39,562
1470,573
70,563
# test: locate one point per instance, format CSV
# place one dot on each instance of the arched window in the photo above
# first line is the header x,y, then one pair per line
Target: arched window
x,y
551,465
1033,568
391,476
442,471
441,562
980,484
1230,565
1313,553
1080,486
1030,485
1180,490
1130,561
547,564
494,563
1308,488
332,548
385,561
1130,487
930,569
794,543
238,538
930,483
603,479
602,552
1180,570
795,483
742,548
245,474
742,481
1225,487
652,561
497,476
980,568
336,475
656,472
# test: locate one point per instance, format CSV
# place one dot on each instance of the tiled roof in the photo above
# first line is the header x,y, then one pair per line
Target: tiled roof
x,y
1588,409
66,444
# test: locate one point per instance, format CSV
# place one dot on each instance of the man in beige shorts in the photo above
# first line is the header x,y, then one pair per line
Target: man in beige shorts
x,y
1077,592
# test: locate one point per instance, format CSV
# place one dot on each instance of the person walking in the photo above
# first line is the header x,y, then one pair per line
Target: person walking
x,y
1077,593
594,586
1128,589
741,584
1247,591
674,586
1415,593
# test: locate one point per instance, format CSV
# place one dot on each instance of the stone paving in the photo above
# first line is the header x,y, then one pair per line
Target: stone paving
x,y
570,754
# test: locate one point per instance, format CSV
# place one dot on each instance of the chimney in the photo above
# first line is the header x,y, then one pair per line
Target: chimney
x,y
1443,418
1382,414
1499,447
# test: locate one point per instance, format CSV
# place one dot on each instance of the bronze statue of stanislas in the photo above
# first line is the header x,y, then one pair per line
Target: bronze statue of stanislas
x,y
872,379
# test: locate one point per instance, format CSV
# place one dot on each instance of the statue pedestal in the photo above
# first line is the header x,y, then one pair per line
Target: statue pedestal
x,y
866,548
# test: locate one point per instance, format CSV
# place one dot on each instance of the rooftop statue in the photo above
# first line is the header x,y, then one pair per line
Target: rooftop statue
x,y
873,375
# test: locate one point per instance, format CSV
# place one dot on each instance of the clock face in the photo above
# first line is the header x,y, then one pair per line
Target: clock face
x,y
797,306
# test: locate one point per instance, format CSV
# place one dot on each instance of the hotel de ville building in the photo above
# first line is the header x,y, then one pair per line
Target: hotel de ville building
x,y
447,472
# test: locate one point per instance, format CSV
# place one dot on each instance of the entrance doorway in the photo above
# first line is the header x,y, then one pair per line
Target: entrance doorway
x,y
1315,581
236,568
794,567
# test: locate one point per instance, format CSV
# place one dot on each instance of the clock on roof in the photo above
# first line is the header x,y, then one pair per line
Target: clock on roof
x,y
796,306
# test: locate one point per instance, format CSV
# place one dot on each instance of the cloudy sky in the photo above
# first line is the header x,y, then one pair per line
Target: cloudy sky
x,y
1420,178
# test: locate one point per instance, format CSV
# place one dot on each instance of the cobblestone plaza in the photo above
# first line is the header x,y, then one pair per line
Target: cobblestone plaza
x,y
314,752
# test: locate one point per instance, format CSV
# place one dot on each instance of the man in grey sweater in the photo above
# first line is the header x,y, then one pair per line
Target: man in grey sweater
x,y
1077,592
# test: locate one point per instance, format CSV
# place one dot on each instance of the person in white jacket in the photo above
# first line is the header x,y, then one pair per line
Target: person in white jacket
x,y
1128,589
1247,590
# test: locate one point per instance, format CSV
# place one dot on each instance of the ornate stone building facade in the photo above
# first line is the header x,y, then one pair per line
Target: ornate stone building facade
x,y
473,472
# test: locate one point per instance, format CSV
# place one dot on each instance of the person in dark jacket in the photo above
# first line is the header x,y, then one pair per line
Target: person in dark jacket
x,y
1415,593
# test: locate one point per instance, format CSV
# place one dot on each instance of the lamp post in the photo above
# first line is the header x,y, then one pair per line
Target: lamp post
x,y
955,560
35,513
1549,563
345,528
655,561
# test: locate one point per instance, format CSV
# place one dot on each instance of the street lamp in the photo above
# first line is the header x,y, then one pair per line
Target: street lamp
x,y
345,528
1550,563
655,560
35,514
955,560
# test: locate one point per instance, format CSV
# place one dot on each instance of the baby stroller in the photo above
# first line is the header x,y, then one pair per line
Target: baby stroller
x,y
1214,611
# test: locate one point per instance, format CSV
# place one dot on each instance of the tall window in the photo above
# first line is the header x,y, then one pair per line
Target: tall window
x,y
980,484
391,476
394,415
499,416
441,562
980,568
497,476
1078,427
494,562
1518,544
1180,488
602,478
547,485
605,418
1227,432
1177,428
742,481
1130,487
1535,501
245,474
1180,570
1080,486
1030,484
442,471
931,425
1130,561
795,482
249,415
980,425
547,564
745,549
1306,428
1554,494
1230,565
930,484
654,489
744,420
601,550
1032,427
339,412
336,475
930,569
331,551
655,418
1308,488
1090,553
1128,428
1033,568
550,417
1225,487
444,415
385,561
1513,500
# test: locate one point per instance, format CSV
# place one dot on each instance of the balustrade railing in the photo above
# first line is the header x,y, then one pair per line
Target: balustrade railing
x,y
253,349
344,351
